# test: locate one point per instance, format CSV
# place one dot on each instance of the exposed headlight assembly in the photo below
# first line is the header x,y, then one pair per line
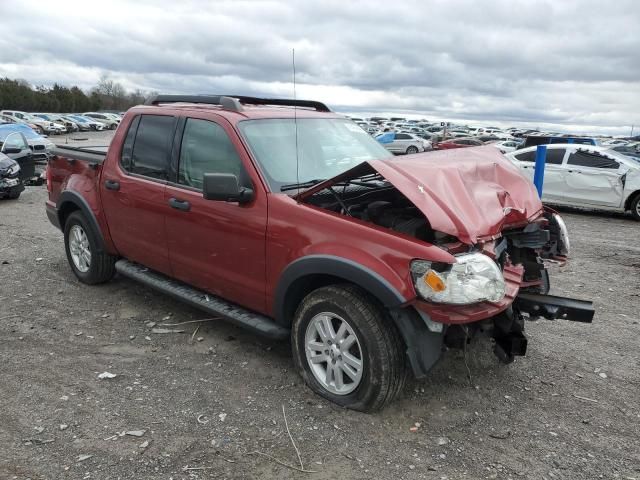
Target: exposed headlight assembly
x,y
473,278
13,169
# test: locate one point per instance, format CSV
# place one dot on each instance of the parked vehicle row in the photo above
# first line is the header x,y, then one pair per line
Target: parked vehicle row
x,y
441,136
56,123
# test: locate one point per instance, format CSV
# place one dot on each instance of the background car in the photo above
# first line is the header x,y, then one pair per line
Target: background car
x,y
15,145
457,143
39,145
87,121
103,118
83,125
10,183
585,176
403,142
68,125
42,126
506,146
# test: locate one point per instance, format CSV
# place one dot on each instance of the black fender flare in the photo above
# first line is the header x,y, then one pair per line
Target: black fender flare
x,y
70,197
334,266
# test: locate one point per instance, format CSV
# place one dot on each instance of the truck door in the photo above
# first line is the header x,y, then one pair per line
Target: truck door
x,y
215,245
594,178
132,191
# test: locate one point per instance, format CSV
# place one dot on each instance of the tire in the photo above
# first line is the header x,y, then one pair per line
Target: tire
x,y
412,149
14,195
40,130
635,207
377,344
79,237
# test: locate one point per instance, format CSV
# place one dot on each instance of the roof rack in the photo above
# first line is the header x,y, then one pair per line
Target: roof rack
x,y
234,102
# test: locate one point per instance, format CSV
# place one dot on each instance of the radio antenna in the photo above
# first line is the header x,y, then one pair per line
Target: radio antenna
x,y
295,115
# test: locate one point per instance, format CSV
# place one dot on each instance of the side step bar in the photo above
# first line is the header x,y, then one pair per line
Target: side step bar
x,y
552,307
204,301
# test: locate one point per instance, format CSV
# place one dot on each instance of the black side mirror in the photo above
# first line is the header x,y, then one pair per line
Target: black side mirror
x,y
11,150
225,187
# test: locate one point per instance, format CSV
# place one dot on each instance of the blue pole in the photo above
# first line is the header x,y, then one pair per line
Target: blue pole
x,y
538,175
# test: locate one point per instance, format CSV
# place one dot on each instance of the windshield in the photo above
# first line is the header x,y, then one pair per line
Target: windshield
x,y
326,147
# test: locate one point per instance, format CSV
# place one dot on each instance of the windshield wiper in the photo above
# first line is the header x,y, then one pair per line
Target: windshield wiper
x,y
307,184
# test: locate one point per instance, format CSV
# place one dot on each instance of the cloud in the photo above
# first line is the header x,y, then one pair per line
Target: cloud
x,y
563,63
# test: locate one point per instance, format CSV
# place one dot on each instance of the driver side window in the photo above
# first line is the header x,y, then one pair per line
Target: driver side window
x,y
206,148
15,140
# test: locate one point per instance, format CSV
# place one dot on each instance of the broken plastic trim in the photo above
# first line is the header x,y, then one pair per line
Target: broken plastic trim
x,y
552,307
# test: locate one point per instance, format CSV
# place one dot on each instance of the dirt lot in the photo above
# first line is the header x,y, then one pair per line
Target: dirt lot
x,y
570,409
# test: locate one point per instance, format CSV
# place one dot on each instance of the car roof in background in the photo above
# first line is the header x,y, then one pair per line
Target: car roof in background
x,y
7,128
578,146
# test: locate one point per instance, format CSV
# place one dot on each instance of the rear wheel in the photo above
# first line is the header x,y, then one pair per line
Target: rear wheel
x,y
412,149
80,242
346,348
635,207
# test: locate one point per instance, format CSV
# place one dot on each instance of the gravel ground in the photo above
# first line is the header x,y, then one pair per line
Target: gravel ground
x,y
206,402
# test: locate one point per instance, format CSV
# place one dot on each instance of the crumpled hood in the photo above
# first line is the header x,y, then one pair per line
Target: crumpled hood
x,y
470,193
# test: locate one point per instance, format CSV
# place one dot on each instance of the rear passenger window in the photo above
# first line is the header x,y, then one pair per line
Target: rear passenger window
x,y
151,148
206,148
555,156
526,157
592,159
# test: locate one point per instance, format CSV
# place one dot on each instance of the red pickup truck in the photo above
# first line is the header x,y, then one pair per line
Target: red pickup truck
x,y
288,219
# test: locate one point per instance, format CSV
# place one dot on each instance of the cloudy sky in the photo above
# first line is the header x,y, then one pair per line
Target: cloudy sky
x,y
572,64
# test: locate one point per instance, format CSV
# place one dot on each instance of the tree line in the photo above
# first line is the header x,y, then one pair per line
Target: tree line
x,y
106,95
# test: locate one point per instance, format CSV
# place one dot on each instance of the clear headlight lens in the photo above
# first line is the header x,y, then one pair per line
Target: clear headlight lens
x,y
13,169
473,278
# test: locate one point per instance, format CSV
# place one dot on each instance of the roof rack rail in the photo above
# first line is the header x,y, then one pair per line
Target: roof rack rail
x,y
234,102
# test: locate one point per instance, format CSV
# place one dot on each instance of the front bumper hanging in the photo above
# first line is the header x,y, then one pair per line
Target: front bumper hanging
x,y
552,307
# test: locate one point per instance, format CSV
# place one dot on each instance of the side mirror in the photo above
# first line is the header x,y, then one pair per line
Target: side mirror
x,y
225,187
11,150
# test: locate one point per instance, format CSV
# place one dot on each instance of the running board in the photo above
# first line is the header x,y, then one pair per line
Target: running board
x,y
204,301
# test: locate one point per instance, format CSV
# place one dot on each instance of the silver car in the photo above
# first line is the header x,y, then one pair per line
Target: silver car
x,y
407,143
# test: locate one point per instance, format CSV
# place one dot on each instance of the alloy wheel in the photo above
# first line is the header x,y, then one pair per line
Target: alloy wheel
x,y
79,248
334,353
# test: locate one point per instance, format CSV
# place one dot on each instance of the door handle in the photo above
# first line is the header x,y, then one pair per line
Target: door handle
x,y
179,204
112,185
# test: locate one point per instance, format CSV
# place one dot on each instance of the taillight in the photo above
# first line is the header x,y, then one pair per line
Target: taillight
x,y
48,173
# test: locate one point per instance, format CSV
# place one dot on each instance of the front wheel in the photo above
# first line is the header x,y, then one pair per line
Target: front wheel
x,y
347,349
88,264
412,149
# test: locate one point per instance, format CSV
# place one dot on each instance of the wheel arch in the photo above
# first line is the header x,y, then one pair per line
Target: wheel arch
x,y
311,272
70,202
630,199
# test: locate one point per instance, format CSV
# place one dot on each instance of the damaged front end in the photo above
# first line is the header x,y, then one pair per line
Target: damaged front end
x,y
479,208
